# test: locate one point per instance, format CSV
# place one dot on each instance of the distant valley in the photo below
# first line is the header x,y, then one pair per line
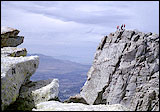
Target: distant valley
x,y
71,75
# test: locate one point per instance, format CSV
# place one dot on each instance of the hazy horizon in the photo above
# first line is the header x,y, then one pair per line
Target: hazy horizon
x,y
75,28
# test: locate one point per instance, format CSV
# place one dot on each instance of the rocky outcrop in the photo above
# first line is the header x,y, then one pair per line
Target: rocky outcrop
x,y
9,37
58,106
17,91
13,51
125,71
34,93
15,68
76,99
15,71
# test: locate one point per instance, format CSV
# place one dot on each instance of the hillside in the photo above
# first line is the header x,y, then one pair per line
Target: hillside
x,y
71,75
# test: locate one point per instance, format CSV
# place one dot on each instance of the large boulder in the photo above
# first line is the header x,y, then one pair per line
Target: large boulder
x,y
58,106
125,61
9,37
15,71
34,93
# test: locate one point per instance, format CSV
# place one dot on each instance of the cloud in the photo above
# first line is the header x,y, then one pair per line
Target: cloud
x,y
79,12
75,27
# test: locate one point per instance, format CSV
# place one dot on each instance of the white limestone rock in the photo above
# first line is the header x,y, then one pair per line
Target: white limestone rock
x,y
8,30
13,52
58,106
104,66
33,93
15,71
124,61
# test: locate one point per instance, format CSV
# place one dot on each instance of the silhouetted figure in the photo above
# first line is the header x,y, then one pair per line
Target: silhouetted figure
x,y
117,27
122,27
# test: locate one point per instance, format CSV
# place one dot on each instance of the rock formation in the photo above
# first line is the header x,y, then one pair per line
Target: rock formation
x,y
125,71
58,106
9,37
16,70
13,52
124,76
34,93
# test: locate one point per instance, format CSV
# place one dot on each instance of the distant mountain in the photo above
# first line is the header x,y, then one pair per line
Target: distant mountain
x,y
82,60
71,75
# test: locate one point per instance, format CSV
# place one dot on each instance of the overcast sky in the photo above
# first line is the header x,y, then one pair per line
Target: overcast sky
x,y
75,28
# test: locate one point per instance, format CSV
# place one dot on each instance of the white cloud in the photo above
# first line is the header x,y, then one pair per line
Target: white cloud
x,y
77,26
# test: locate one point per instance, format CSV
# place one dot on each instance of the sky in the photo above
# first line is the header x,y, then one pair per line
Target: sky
x,y
74,29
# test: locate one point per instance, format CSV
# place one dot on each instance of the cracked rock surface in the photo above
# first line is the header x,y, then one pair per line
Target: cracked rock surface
x,y
34,93
15,71
125,71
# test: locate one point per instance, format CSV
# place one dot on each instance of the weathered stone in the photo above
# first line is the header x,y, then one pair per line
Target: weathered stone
x,y
103,41
135,37
146,98
8,31
58,106
148,34
128,34
150,58
153,37
101,74
124,70
15,71
130,56
141,50
33,93
9,37
76,99
154,68
12,41
13,51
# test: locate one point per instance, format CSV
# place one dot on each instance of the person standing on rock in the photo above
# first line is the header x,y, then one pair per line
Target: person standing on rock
x,y
122,27
117,27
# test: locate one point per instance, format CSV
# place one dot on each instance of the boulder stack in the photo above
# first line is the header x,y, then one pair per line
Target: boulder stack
x,y
16,70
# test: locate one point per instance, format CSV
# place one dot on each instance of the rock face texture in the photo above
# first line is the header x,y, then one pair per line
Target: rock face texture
x,y
15,68
13,52
15,72
125,71
34,93
9,37
58,106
